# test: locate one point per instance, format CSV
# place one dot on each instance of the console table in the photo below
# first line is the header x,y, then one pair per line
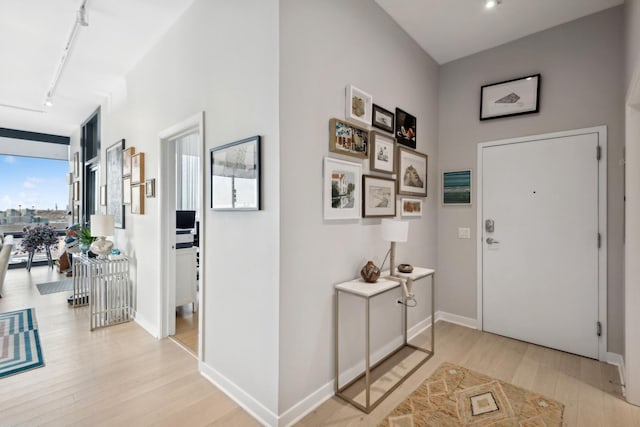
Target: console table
x,y
367,291
104,285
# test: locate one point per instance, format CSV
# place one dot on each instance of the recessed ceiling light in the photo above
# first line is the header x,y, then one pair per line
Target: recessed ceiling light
x,y
490,4
48,103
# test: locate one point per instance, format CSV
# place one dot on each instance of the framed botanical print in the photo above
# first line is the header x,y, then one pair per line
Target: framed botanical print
x,y
378,197
383,149
412,172
342,189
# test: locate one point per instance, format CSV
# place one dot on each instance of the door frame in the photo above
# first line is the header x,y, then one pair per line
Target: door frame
x,y
601,131
166,216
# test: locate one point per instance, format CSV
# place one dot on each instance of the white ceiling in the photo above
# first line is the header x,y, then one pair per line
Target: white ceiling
x,y
452,29
33,34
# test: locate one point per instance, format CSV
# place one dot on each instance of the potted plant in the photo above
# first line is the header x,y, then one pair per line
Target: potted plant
x,y
85,239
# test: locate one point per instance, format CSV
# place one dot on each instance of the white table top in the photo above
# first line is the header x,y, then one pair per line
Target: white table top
x,y
417,273
364,289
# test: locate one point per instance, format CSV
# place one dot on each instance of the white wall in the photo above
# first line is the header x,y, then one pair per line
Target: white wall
x,y
220,57
324,46
582,69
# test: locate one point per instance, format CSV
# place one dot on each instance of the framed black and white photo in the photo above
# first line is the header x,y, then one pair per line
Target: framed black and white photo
x,y
456,187
358,105
115,204
405,128
510,98
412,172
382,157
382,119
235,175
378,197
342,189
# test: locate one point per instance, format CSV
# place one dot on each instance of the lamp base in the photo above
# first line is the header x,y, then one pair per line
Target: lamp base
x,y
102,246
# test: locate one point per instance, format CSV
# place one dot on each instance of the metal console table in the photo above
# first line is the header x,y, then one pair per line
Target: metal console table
x,y
368,291
104,285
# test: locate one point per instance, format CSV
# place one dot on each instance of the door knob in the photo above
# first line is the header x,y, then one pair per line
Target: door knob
x,y
491,241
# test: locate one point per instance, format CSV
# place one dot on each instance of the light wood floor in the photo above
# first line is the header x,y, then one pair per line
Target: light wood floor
x,y
586,387
187,328
116,376
121,376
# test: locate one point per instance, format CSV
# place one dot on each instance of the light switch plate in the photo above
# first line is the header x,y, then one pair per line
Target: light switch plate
x,y
464,233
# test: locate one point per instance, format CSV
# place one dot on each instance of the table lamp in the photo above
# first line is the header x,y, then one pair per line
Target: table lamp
x,y
395,231
101,227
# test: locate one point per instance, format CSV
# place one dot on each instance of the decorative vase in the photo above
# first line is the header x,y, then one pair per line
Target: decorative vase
x,y
370,273
84,247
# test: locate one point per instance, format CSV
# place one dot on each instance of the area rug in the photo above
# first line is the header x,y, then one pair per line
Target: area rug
x,y
19,342
64,285
456,396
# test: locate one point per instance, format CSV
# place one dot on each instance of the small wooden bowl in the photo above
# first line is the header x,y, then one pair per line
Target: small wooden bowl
x,y
405,268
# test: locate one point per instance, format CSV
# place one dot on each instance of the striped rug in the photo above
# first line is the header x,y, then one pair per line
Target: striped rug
x,y
19,342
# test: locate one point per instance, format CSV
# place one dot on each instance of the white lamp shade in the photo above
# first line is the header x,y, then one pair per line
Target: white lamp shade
x,y
394,230
102,225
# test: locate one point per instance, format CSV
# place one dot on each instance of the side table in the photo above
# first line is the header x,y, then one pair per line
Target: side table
x,y
104,285
367,291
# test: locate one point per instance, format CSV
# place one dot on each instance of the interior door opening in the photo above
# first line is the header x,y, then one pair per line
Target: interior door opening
x,y
181,224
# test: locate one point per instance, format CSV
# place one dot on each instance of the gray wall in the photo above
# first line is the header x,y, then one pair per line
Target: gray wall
x,y
582,69
324,46
632,16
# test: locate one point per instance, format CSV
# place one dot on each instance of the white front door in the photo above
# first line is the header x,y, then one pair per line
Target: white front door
x,y
540,263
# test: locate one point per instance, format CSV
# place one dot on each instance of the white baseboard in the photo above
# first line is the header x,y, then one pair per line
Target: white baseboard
x,y
308,404
467,322
146,325
617,360
238,395
325,392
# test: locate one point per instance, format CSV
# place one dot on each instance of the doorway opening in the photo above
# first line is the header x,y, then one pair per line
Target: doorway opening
x,y
181,194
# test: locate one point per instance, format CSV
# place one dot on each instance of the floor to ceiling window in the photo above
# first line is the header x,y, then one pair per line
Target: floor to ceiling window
x,y
34,191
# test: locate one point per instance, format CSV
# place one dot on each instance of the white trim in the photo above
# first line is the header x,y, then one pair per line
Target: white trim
x,y
617,360
238,395
166,220
467,322
306,405
601,131
150,327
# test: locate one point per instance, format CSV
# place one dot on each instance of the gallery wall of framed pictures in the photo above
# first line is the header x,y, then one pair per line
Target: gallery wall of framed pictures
x,y
392,165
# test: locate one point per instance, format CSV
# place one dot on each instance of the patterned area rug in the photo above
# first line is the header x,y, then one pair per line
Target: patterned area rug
x,y
64,285
19,342
456,396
